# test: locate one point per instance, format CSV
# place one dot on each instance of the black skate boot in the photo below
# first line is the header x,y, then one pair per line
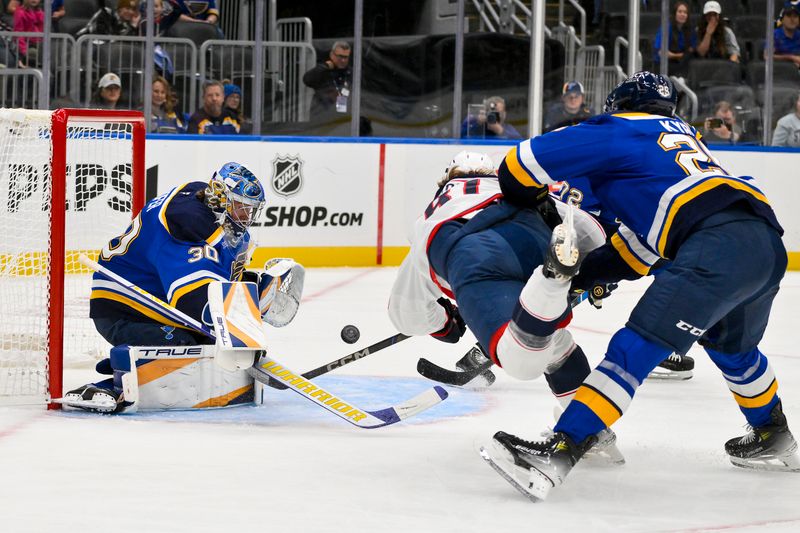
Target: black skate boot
x,y
675,367
472,360
93,398
563,258
534,468
768,447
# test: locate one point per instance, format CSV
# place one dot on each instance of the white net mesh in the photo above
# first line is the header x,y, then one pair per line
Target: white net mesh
x,y
98,207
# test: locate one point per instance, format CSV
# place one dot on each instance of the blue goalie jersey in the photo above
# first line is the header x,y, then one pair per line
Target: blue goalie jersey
x,y
173,249
652,172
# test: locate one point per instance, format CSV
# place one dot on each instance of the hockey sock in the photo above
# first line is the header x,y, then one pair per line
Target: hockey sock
x,y
543,305
751,381
609,389
568,377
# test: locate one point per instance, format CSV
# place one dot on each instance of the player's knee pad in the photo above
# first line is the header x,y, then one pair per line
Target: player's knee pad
x,y
527,357
177,377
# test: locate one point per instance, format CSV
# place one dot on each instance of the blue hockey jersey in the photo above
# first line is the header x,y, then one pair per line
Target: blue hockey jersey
x,y
173,249
652,172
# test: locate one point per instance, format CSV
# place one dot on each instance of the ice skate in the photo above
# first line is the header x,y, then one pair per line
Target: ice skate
x,y
563,257
92,398
768,447
674,367
534,468
605,449
472,360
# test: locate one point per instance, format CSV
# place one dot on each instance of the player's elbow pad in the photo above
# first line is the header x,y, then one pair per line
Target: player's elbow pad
x,y
517,193
280,289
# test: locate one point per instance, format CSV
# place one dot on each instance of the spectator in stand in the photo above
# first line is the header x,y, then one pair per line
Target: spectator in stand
x,y
108,93
722,127
682,40
29,17
716,39
331,81
164,118
490,123
787,36
121,21
213,118
233,102
570,111
168,12
787,132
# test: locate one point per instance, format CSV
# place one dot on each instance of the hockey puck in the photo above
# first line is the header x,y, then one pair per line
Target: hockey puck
x,y
350,334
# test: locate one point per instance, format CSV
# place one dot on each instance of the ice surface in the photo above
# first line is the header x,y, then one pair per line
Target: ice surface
x,y
290,467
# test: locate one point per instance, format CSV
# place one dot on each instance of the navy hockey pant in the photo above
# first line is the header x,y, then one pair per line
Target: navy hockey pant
x,y
718,291
487,262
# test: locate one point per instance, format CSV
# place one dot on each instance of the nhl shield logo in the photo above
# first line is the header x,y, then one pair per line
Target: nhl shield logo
x,y
287,175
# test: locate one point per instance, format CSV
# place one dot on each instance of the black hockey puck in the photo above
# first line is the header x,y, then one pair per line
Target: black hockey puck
x,y
350,334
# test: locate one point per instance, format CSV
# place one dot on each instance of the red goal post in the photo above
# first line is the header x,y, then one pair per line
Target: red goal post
x,y
92,163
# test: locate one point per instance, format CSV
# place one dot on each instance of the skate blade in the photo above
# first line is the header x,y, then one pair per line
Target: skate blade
x,y
97,406
480,382
530,483
609,455
670,375
790,463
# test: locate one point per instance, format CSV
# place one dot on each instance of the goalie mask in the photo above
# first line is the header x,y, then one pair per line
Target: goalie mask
x,y
236,197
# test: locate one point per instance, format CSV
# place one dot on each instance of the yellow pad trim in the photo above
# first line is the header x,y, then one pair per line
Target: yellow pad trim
x,y
225,399
159,368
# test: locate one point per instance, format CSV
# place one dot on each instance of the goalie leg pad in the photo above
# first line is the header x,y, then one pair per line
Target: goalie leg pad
x,y
180,377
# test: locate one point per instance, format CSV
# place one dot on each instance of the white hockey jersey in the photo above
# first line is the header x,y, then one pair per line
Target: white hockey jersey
x,y
412,304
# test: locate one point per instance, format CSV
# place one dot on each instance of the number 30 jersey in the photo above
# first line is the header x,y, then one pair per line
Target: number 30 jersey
x,y
652,172
173,249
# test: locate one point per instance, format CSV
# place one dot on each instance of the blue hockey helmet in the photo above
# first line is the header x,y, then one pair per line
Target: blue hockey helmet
x,y
236,196
645,92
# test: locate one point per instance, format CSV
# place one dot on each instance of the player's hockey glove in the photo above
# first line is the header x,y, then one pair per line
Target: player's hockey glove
x,y
597,293
454,328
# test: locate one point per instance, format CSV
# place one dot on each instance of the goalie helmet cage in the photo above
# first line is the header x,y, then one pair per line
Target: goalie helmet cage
x,y
91,163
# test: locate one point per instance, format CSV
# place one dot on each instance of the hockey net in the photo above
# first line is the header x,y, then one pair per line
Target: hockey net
x,y
91,163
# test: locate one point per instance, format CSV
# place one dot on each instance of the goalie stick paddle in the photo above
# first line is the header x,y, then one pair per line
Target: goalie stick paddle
x,y
459,378
268,368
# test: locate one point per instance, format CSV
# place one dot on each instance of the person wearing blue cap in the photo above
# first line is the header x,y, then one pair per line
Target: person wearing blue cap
x,y
233,104
570,110
787,37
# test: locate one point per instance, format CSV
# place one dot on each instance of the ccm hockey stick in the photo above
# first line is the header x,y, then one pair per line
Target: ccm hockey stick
x,y
347,359
459,378
268,368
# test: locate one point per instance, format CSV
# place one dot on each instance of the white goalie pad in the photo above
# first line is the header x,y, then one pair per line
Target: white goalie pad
x,y
184,377
280,291
237,323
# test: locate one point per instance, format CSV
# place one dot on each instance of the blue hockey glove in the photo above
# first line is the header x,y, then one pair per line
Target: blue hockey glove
x,y
454,328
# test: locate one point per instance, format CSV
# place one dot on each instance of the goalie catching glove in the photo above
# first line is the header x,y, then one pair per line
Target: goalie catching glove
x,y
280,288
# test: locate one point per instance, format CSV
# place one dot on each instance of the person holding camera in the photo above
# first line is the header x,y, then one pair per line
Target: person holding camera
x,y
490,123
722,127
569,111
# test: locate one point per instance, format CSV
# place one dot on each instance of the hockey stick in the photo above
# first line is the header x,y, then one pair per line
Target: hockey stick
x,y
268,368
459,378
347,359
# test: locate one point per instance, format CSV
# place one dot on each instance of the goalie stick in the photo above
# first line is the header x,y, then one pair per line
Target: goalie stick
x,y
459,378
268,368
